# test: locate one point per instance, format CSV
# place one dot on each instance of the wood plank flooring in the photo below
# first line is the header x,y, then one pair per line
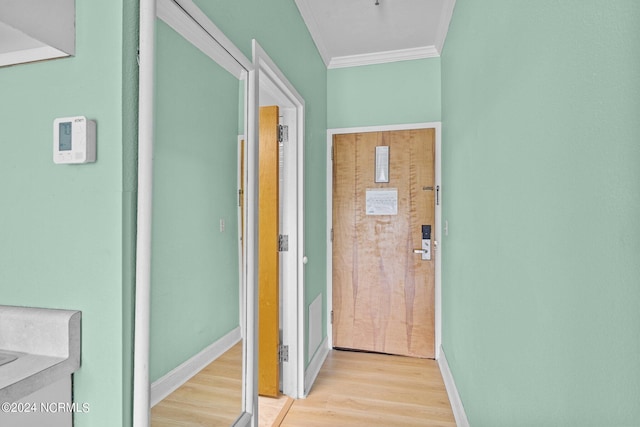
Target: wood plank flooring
x,y
272,410
367,389
352,389
213,397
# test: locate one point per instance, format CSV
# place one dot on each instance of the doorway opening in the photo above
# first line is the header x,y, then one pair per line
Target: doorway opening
x,y
376,199
275,90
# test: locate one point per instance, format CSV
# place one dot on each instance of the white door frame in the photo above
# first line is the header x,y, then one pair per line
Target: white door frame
x,y
273,82
438,225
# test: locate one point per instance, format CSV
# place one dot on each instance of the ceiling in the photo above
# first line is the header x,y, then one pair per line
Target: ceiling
x,y
358,32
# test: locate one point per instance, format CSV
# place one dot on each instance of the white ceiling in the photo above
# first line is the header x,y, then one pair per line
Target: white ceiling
x,y
358,32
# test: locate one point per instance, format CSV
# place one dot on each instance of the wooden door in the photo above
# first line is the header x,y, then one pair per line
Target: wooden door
x,y
268,255
383,292
241,196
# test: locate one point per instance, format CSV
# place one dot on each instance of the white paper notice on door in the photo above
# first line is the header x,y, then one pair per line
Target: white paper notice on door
x,y
382,201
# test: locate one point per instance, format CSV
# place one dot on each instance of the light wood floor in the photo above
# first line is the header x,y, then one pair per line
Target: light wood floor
x,y
213,397
365,389
352,389
272,410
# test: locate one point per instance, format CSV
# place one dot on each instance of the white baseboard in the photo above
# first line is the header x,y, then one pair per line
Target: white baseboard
x,y
313,369
166,385
452,391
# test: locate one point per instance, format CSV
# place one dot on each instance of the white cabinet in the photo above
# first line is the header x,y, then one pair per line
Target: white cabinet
x,y
50,406
40,349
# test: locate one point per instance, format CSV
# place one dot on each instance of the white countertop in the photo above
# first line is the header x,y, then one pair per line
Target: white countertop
x,y
47,342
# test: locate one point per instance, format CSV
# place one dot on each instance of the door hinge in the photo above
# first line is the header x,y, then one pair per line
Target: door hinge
x,y
283,353
283,133
332,317
332,153
437,195
331,235
283,243
240,197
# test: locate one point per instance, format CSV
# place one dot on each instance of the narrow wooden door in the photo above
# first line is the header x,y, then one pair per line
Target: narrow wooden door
x,y
241,196
383,292
268,255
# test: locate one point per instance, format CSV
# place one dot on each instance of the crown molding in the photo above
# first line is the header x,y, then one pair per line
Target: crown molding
x,y
384,57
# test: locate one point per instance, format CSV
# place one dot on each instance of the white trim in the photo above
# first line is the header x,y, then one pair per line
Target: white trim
x,y
438,241
385,128
273,78
445,20
181,15
329,254
314,30
30,55
273,95
170,382
203,20
142,310
421,52
315,365
267,66
452,392
244,420
250,356
384,57
241,256
438,178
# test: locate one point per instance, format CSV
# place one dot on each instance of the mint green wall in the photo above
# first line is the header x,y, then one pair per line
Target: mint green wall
x,y
194,276
280,30
61,226
195,267
541,171
394,93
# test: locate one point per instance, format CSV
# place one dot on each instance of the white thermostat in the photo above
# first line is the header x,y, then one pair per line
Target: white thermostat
x,y
74,140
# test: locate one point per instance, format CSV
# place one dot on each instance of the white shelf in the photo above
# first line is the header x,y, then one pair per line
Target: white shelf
x,y
35,30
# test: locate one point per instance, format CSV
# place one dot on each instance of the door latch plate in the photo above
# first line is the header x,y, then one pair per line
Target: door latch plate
x,y
283,243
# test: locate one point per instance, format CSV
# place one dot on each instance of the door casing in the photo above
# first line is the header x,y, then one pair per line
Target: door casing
x,y
438,222
291,103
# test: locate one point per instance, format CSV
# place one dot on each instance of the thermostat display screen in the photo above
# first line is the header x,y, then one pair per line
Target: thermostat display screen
x,y
74,140
64,141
